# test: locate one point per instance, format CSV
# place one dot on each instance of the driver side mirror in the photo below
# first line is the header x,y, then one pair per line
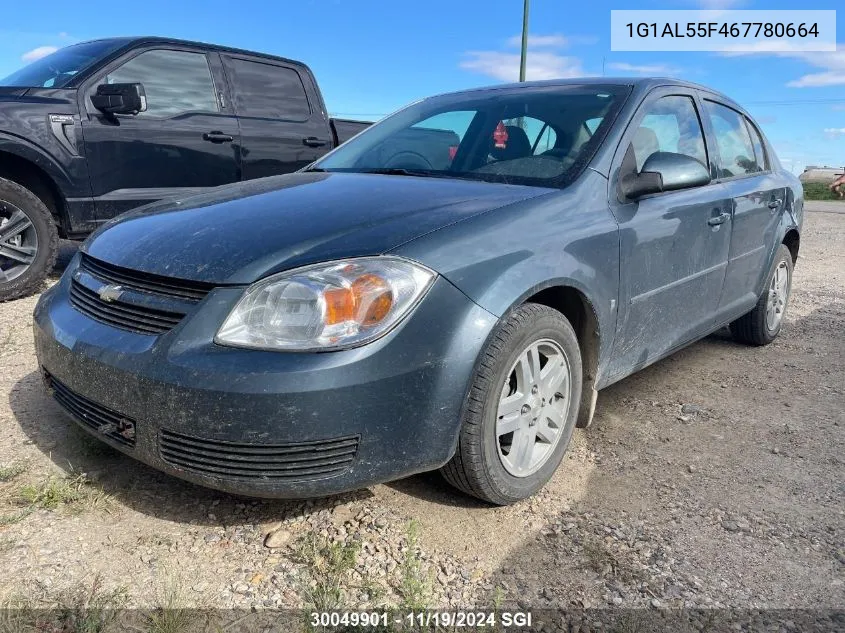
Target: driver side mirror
x,y
120,98
664,171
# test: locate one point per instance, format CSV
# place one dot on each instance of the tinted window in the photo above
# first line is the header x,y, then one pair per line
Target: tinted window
x,y
736,151
759,149
268,91
670,125
528,136
56,70
175,82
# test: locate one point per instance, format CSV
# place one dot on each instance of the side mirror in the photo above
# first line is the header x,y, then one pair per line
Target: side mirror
x,y
665,171
120,98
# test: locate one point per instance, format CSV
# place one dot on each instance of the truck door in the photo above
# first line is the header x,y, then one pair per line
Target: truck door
x,y
185,141
281,129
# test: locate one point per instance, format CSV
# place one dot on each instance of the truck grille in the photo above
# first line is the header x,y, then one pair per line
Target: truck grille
x,y
307,460
95,416
132,316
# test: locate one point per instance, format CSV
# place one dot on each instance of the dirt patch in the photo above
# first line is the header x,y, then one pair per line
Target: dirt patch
x,y
714,477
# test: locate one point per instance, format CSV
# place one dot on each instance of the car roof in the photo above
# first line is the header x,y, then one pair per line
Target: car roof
x,y
124,42
639,84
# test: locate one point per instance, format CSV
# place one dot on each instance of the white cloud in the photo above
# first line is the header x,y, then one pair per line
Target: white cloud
x,y
835,132
831,64
538,65
645,69
38,53
540,41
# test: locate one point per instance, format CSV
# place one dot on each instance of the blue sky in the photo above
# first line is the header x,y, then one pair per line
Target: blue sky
x,y
373,56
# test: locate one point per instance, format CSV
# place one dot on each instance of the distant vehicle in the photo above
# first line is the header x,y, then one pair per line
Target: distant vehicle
x,y
101,127
450,289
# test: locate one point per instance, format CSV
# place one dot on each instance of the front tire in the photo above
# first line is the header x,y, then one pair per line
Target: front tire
x,y
762,325
29,241
522,407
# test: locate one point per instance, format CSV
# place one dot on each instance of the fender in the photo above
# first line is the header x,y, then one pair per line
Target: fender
x,y
791,219
497,279
37,155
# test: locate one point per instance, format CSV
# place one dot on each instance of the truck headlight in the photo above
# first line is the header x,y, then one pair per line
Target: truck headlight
x,y
327,306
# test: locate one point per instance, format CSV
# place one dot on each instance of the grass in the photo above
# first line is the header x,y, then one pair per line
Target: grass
x,y
170,614
9,471
83,608
415,587
328,564
71,492
819,191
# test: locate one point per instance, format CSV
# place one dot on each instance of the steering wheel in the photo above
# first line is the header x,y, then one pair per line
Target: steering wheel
x,y
408,160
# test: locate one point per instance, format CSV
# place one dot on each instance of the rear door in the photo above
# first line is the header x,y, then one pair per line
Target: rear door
x,y
185,141
757,204
673,245
282,130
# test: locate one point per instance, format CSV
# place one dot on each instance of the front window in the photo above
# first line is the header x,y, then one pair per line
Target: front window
x,y
58,69
538,136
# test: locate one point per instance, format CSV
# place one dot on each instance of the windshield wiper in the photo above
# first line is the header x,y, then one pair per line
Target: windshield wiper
x,y
401,171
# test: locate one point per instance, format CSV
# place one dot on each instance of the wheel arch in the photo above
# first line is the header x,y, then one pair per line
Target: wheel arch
x,y
792,241
31,168
581,313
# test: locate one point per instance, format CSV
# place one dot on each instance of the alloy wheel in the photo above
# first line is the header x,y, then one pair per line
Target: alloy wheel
x,y
778,296
18,242
533,407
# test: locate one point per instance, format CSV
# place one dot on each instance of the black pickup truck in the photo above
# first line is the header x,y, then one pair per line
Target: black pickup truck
x,y
101,127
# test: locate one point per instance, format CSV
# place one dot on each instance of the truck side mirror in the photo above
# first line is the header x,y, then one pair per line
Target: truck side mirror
x,y
120,98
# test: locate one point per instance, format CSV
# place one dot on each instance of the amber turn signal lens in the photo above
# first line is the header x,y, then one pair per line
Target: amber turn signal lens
x,y
366,302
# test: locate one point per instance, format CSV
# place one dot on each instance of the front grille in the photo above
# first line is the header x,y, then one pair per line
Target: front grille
x,y
105,421
177,293
307,460
145,282
120,314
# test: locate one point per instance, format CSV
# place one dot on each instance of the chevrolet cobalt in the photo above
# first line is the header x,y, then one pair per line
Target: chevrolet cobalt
x,y
450,289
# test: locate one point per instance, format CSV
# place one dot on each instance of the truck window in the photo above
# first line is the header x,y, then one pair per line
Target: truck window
x,y
267,91
175,82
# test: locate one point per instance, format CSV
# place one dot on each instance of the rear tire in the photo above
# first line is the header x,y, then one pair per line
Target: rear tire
x,y
503,467
29,241
762,325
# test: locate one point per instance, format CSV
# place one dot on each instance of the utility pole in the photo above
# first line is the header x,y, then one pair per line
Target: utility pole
x,y
524,40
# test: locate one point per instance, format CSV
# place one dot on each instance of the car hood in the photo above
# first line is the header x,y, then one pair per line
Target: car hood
x,y
239,233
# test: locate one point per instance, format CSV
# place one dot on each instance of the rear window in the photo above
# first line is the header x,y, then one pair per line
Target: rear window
x,y
267,91
534,136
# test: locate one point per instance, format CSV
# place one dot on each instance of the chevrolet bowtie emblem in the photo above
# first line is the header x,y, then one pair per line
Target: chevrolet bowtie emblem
x,y
110,293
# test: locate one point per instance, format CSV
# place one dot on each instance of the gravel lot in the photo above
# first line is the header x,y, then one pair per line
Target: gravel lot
x,y
713,478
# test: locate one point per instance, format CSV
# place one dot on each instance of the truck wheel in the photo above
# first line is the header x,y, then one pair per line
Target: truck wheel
x,y
762,325
29,241
522,407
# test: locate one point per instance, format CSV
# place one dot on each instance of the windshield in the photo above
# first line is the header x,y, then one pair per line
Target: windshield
x,y
57,69
537,136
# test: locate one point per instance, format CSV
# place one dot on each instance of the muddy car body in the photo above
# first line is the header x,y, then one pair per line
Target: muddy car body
x,y
456,301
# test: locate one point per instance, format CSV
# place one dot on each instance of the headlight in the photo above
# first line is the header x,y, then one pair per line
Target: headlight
x,y
334,305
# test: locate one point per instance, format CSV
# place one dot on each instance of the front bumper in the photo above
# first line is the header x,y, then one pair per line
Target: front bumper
x,y
269,424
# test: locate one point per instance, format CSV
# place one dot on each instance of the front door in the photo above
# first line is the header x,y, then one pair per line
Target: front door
x,y
186,141
673,245
758,203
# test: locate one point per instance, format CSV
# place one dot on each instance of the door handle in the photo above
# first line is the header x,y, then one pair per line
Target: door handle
x,y
716,220
217,137
775,204
313,141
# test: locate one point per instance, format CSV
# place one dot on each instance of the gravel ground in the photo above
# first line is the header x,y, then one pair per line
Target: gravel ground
x,y
711,479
